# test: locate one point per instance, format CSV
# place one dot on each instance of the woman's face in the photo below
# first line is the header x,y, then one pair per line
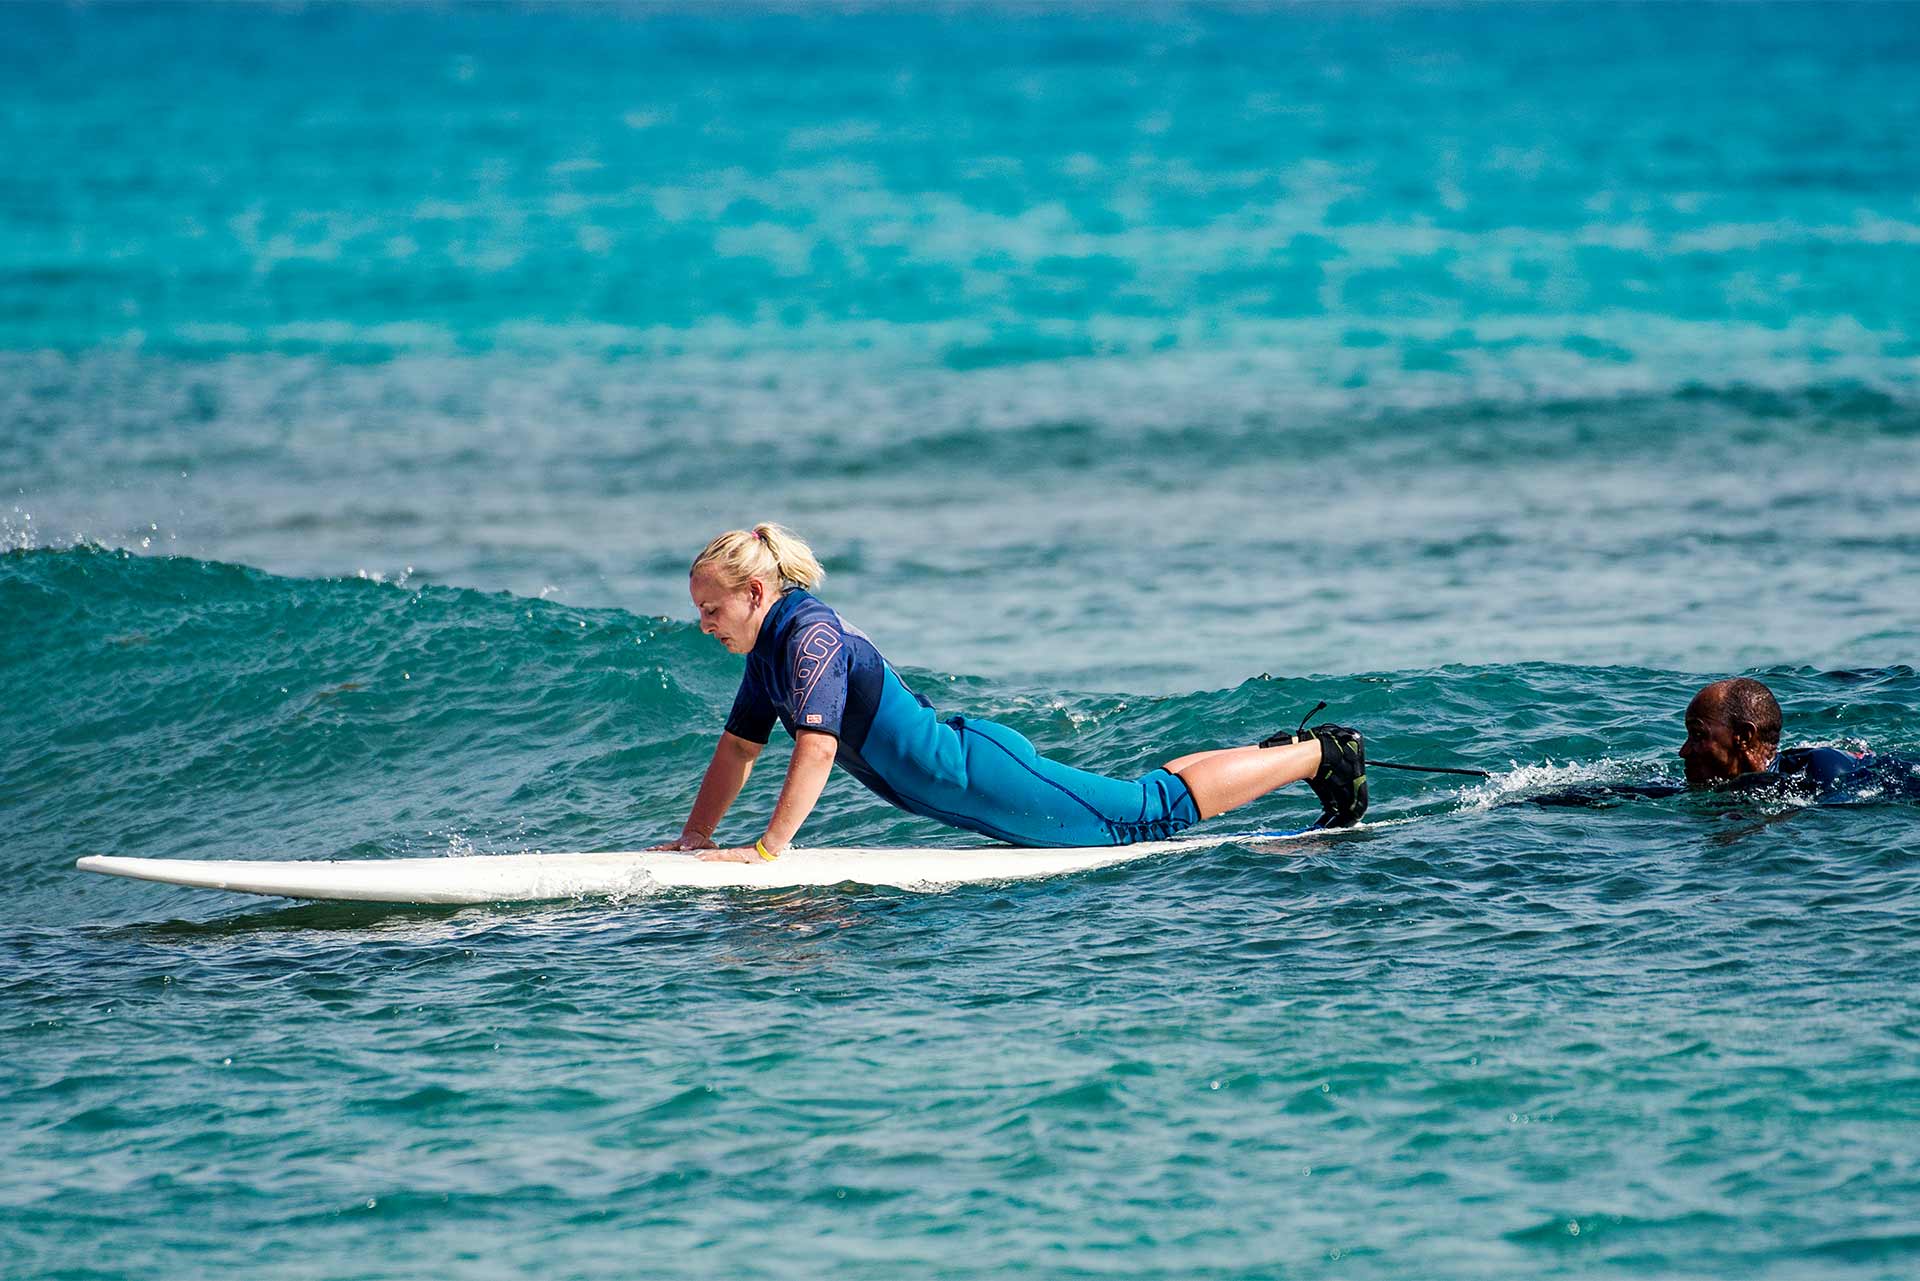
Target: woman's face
x,y
731,615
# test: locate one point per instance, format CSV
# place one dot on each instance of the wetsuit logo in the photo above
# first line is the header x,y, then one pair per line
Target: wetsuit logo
x,y
812,656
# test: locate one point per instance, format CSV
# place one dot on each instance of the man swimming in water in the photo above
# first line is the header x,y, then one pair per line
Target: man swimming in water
x,y
1733,744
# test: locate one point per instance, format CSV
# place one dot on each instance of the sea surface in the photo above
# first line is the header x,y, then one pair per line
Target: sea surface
x,y
1144,374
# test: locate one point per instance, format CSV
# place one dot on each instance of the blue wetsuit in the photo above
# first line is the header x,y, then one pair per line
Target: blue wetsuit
x,y
813,672
1824,774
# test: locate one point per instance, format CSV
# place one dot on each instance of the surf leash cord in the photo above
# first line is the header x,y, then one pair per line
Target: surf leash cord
x,y
1429,769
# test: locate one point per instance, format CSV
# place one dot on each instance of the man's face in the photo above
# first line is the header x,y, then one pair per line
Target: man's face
x,y
1719,747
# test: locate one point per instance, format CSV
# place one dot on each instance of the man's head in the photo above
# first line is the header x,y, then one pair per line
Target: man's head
x,y
1733,728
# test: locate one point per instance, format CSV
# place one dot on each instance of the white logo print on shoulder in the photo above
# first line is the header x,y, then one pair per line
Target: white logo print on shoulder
x,y
813,653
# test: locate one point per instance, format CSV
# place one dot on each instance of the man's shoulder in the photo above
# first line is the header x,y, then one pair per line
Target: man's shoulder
x,y
1819,765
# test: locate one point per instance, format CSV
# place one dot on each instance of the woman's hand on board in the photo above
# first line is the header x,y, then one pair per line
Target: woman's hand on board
x,y
687,841
738,854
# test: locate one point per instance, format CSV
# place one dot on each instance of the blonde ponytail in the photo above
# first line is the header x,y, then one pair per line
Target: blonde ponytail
x,y
769,552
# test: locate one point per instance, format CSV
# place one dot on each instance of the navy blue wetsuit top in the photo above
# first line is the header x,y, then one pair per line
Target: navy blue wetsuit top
x,y
812,671
1823,773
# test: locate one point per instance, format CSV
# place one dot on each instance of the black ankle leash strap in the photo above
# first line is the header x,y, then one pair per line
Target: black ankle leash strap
x,y
1321,706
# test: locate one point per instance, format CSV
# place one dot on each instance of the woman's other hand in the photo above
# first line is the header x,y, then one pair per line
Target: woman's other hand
x,y
687,841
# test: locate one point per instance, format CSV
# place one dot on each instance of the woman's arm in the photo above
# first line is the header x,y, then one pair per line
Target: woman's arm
x,y
726,774
813,754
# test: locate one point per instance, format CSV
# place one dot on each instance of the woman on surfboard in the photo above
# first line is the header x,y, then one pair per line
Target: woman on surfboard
x,y
844,704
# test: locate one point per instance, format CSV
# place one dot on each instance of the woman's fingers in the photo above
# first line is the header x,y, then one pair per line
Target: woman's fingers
x,y
683,844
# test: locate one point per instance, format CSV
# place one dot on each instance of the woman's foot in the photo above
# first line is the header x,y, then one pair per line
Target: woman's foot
x,y
1341,780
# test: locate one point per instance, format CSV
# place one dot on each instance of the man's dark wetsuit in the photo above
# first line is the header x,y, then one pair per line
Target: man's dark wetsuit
x,y
1813,773
814,672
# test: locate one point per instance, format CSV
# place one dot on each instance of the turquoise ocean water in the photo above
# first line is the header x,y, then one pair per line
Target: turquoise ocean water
x,y
1144,374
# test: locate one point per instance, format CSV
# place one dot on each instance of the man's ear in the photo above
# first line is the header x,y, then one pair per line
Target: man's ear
x,y
1747,741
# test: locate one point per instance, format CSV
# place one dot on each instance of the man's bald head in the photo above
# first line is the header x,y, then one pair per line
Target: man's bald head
x,y
1733,728
1742,699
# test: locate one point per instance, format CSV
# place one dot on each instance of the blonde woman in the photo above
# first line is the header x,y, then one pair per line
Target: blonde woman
x,y
843,703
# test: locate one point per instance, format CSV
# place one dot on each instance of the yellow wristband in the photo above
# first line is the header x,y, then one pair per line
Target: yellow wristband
x,y
760,847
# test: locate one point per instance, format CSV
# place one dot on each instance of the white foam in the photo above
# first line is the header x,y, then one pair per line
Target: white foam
x,y
1523,781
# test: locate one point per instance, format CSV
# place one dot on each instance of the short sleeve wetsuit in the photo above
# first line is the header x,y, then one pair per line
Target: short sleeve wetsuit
x,y
1818,773
811,671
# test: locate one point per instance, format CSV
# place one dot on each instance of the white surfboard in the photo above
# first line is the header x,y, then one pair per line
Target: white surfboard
x,y
532,878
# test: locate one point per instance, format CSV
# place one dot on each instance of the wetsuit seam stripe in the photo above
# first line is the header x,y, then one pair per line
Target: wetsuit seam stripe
x,y
1061,788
